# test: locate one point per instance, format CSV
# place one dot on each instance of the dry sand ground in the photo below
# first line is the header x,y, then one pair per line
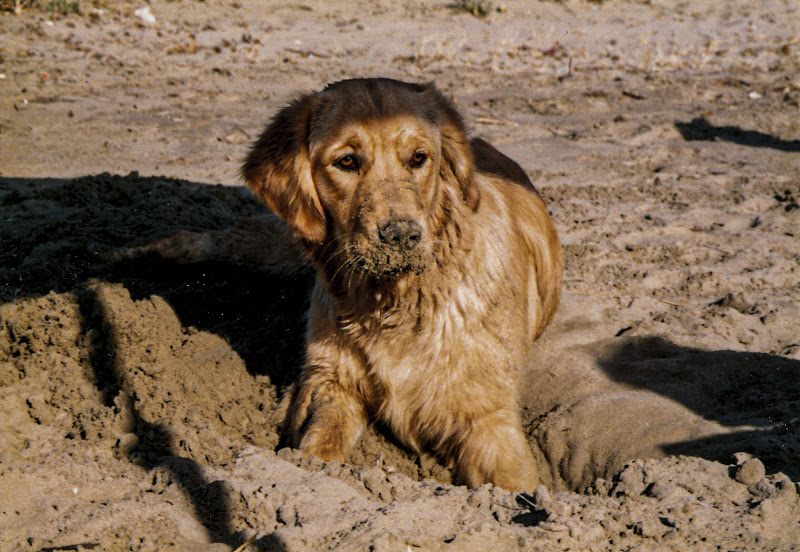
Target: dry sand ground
x,y
150,318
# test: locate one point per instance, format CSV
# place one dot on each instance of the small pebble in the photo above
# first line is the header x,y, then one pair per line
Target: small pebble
x,y
750,472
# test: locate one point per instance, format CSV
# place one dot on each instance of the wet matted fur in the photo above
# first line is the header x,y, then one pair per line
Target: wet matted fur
x,y
437,266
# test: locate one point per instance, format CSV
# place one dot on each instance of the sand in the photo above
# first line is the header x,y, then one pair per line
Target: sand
x,y
151,310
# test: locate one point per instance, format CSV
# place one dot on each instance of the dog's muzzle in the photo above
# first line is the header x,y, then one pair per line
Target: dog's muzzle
x,y
396,247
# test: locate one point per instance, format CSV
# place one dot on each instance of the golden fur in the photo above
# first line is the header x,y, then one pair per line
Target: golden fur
x,y
438,265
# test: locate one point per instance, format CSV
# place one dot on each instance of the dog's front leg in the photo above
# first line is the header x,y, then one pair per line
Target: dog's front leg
x,y
326,414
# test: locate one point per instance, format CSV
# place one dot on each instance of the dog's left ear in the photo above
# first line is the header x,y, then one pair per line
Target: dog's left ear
x,y
278,169
456,150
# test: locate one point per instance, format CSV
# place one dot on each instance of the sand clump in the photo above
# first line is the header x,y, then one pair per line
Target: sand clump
x,y
151,310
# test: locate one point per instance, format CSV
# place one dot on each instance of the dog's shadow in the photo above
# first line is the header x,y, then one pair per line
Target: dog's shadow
x,y
756,392
593,402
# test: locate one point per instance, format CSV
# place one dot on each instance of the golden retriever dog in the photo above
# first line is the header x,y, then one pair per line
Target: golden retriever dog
x,y
437,267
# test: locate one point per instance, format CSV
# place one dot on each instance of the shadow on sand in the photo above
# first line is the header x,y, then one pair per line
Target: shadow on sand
x,y
736,389
61,233
700,129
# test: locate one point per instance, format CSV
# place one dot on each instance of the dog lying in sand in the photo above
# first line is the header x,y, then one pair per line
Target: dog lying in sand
x,y
437,267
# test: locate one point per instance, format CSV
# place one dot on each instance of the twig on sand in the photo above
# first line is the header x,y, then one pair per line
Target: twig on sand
x,y
246,543
490,121
671,303
306,53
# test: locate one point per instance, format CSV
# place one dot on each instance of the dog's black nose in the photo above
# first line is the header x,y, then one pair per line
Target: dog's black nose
x,y
404,234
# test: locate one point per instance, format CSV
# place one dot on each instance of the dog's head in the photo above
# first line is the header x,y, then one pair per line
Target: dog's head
x,y
368,167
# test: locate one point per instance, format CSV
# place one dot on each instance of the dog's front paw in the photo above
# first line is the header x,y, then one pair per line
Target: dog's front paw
x,y
324,420
324,442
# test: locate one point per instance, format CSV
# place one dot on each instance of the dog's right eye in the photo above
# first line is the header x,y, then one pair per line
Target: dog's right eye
x,y
348,163
417,160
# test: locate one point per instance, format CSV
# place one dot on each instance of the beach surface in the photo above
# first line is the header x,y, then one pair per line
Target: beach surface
x,y
152,310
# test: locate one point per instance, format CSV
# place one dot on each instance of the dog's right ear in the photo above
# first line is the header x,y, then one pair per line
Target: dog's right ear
x,y
278,169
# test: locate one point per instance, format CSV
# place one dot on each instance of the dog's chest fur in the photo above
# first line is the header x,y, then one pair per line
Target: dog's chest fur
x,y
426,381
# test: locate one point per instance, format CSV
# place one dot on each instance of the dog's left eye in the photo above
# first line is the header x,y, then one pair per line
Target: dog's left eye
x,y
417,160
348,163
